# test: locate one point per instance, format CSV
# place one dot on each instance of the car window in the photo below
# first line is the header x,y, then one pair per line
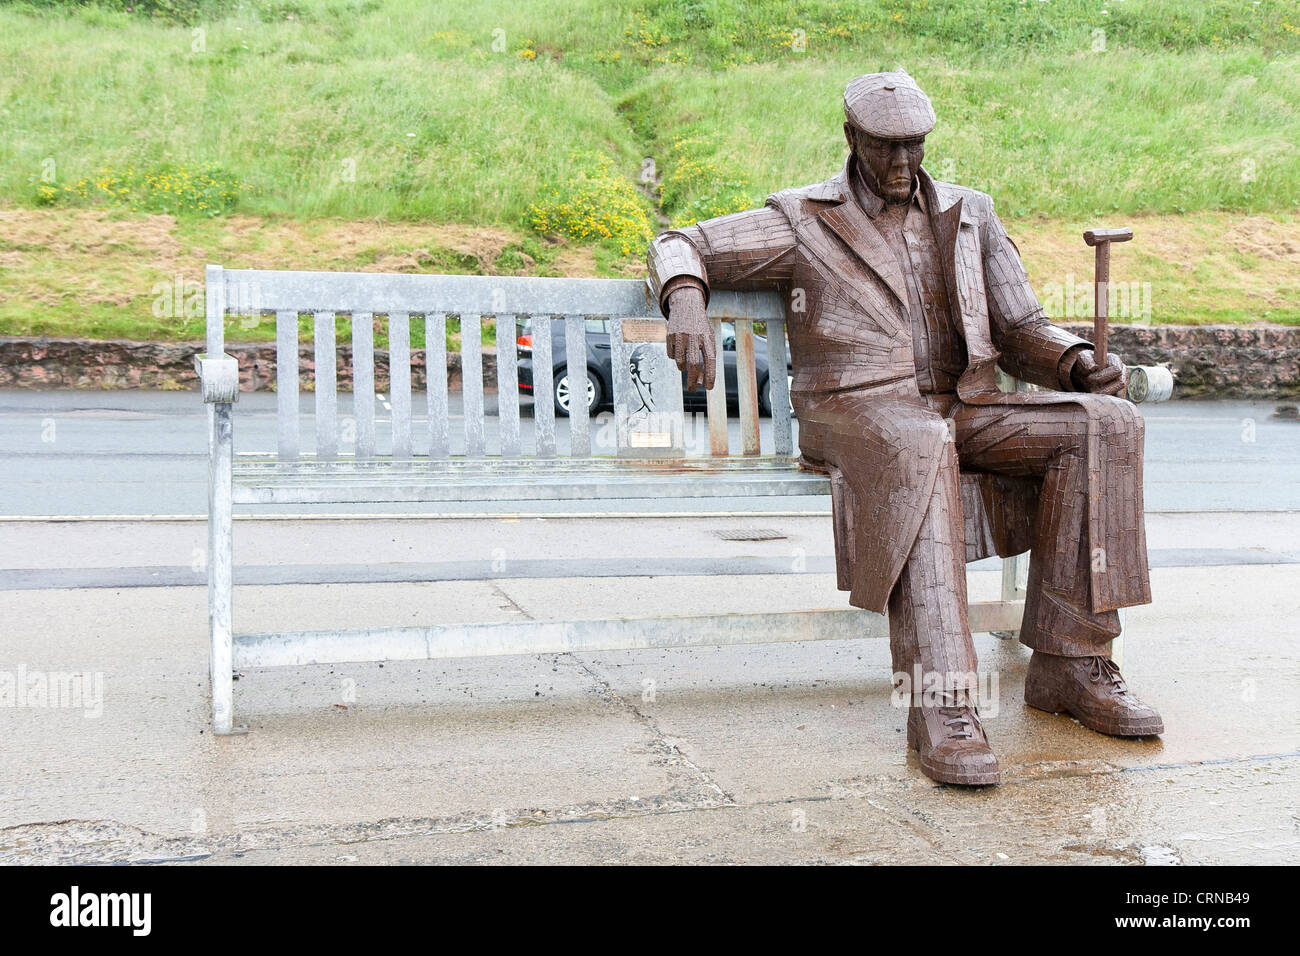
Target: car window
x,y
728,336
596,325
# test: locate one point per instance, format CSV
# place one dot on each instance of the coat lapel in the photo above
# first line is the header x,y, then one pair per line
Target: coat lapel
x,y
848,221
981,356
945,221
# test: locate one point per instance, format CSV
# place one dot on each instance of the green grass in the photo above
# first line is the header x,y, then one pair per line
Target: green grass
x,y
326,118
1154,132
406,111
403,110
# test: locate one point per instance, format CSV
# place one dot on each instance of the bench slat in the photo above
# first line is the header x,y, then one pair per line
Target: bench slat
x,y
500,491
384,293
214,299
363,381
297,648
543,403
717,399
435,365
779,389
479,481
327,432
508,385
471,368
575,367
746,387
399,381
250,466
286,383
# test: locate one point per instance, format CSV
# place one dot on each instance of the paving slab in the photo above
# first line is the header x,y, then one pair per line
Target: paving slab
x,y
700,754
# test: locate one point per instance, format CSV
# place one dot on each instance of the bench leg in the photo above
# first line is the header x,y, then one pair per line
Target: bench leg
x,y
1117,645
1015,579
220,565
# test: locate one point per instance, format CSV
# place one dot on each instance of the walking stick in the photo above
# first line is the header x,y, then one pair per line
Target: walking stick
x,y
1101,239
1146,383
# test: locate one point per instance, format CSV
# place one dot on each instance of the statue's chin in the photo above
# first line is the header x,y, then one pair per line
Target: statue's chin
x,y
896,193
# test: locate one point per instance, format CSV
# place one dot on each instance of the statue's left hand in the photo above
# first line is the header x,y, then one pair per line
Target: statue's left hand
x,y
1108,379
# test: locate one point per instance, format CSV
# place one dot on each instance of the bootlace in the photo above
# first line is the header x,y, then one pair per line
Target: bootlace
x,y
962,720
1103,668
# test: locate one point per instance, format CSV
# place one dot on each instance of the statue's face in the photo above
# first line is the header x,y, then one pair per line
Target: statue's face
x,y
893,162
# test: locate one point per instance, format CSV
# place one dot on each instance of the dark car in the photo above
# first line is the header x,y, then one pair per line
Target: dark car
x,y
600,373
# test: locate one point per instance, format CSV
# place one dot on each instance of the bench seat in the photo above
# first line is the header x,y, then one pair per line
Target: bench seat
x,y
258,480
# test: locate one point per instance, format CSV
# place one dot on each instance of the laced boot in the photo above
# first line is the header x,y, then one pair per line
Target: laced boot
x,y
951,742
1093,691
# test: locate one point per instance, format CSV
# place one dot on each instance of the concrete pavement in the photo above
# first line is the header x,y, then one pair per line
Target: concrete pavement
x,y
778,753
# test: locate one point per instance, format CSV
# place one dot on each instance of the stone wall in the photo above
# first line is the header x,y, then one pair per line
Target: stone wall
x,y
1221,361
1213,361
81,363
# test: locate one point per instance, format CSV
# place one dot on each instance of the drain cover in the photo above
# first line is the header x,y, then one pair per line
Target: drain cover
x,y
750,534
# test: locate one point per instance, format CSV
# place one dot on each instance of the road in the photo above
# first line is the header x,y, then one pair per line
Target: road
x,y
135,452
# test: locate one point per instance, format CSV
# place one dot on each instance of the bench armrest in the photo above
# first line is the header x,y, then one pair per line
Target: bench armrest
x,y
218,378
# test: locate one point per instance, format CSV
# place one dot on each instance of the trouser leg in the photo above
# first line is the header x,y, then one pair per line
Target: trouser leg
x,y
1057,619
928,629
1053,442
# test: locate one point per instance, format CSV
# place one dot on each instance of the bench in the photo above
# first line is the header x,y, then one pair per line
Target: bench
x,y
646,458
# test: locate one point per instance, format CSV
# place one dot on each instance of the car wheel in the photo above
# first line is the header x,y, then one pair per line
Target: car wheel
x,y
765,395
561,392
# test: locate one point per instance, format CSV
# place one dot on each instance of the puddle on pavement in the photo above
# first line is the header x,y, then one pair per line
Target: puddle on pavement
x,y
1132,854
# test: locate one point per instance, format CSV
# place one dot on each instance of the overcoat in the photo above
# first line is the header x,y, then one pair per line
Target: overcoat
x,y
851,338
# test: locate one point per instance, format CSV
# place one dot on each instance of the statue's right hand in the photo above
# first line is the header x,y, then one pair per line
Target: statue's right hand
x,y
690,337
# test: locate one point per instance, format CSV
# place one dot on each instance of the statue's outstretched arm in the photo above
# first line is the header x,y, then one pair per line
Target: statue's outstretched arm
x,y
746,250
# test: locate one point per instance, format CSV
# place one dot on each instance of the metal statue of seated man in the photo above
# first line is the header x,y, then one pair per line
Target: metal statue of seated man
x,y
903,296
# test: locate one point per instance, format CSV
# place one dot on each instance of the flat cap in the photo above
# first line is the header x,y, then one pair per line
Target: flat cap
x,y
888,105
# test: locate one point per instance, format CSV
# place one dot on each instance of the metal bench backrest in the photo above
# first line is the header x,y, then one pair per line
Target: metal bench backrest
x,y
432,298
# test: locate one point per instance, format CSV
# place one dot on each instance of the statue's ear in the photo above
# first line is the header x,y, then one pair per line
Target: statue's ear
x,y
848,135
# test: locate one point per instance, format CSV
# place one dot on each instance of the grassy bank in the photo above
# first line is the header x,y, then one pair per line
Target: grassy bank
x,y
1151,132
82,272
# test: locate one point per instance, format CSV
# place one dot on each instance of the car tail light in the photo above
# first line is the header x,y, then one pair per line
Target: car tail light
x,y
525,341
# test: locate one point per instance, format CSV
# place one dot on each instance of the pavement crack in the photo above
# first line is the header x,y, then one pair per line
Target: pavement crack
x,y
667,744
901,820
511,604
89,842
